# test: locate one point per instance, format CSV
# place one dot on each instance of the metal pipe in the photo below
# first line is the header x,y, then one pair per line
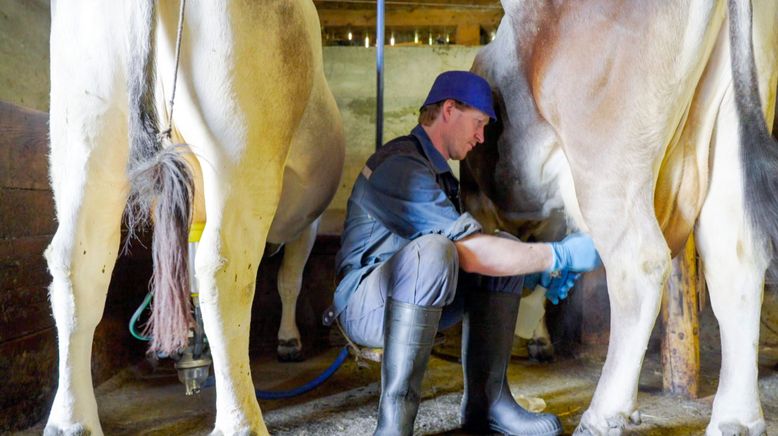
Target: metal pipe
x,y
379,62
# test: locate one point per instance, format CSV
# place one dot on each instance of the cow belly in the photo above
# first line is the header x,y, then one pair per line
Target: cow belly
x,y
678,199
311,175
683,177
314,166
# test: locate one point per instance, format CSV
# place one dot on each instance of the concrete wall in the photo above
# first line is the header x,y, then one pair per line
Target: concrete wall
x,y
24,53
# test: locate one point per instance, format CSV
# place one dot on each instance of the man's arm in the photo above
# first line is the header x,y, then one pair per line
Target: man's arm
x,y
494,256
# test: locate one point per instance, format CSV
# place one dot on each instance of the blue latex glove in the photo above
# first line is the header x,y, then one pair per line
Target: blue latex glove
x,y
557,285
575,253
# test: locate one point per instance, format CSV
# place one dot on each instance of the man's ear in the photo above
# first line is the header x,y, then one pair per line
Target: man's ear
x,y
447,108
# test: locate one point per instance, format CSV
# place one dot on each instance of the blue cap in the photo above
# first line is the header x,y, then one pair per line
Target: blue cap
x,y
465,87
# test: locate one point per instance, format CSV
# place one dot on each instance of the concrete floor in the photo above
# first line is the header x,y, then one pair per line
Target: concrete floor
x,y
145,401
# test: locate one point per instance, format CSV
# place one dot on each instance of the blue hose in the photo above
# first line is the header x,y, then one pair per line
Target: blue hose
x,y
137,315
307,387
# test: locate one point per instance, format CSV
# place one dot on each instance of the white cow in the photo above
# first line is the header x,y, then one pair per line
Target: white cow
x,y
643,119
263,128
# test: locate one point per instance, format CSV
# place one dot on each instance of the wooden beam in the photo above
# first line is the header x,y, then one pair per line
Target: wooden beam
x,y
417,17
681,341
468,34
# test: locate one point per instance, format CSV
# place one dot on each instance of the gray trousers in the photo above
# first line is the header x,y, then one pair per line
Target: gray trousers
x,y
425,273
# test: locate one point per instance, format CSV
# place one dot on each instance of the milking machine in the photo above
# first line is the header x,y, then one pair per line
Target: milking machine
x,y
194,362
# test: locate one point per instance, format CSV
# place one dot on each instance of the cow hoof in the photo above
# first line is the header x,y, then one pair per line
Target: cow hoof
x,y
72,430
590,425
540,349
737,429
290,350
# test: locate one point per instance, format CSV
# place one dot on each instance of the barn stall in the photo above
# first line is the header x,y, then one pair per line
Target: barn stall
x,y
140,395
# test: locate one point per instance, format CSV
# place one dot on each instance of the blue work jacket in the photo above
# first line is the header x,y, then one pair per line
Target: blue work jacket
x,y
405,190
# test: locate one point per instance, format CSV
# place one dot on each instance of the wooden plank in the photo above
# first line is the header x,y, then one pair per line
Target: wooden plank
x,y
24,278
681,341
416,17
29,379
23,274
25,397
22,263
24,311
24,145
25,213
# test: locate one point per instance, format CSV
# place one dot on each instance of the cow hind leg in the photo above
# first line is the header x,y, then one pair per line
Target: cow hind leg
x,y
290,278
81,257
734,265
240,210
87,163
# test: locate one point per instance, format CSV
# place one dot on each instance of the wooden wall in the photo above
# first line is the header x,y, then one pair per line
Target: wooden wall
x,y
27,338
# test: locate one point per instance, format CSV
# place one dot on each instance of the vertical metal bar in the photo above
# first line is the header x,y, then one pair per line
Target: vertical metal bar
x,y
379,61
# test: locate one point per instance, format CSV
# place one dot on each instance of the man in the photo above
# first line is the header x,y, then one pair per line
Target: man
x,y
407,252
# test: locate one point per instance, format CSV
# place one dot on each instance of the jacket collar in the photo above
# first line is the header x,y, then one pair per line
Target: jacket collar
x,y
439,163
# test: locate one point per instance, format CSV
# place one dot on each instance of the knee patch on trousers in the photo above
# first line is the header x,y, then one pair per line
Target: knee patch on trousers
x,y
427,273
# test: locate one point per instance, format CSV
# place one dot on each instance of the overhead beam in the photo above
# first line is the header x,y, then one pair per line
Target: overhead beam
x,y
415,17
468,34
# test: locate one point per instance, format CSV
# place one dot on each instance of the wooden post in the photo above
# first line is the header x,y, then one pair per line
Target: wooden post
x,y
681,340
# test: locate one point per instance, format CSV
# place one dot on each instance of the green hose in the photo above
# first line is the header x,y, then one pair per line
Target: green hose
x,y
137,315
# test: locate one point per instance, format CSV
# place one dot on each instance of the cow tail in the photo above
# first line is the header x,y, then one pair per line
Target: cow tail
x,y
161,191
759,151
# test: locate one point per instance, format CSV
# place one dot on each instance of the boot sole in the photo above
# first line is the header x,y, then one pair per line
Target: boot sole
x,y
491,428
501,430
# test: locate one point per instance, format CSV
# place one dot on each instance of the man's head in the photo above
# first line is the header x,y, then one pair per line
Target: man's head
x,y
463,87
455,112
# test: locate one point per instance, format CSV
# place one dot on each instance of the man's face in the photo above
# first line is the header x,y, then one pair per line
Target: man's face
x,y
466,131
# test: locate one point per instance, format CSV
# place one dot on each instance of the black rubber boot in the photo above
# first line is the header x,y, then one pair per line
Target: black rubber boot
x,y
487,336
409,331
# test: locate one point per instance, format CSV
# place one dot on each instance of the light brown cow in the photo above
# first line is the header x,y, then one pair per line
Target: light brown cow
x,y
634,117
